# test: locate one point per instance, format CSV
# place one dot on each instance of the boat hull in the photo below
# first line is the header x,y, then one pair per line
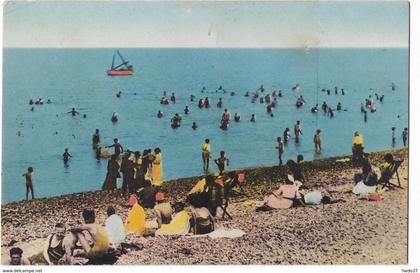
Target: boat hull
x,y
120,72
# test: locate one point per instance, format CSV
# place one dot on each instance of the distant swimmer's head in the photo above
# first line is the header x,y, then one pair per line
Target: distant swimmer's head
x,y
115,140
356,133
207,140
318,131
89,216
299,158
30,170
225,109
97,131
222,153
278,139
157,151
137,154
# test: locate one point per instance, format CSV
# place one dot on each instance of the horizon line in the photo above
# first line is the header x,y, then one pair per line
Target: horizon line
x,y
170,47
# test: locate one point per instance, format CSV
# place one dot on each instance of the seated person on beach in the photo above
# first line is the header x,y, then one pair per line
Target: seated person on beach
x,y
202,222
180,223
283,198
97,233
16,257
163,210
136,219
115,228
296,171
366,181
206,193
58,248
386,166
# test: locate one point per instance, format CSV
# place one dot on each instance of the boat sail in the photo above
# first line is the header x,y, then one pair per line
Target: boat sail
x,y
122,69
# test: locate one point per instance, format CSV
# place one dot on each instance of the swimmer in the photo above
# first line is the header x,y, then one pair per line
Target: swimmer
x,y
192,97
173,98
159,114
261,88
365,116
73,112
206,102
31,102
32,109
393,136
237,117
114,117
328,91
246,94
194,126
381,99
48,101
232,94
342,91
203,89
186,110
219,103
324,107
314,109
362,108
119,94
84,116
336,90
176,121
261,100
224,124
330,112
200,103
253,118
339,106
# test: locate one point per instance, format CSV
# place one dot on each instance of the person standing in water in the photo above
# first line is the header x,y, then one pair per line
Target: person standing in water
x,y
96,139
405,136
66,156
280,148
29,186
298,130
205,154
393,136
286,135
118,149
317,141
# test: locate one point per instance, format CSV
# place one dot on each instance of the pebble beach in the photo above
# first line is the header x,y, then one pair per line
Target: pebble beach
x,y
353,231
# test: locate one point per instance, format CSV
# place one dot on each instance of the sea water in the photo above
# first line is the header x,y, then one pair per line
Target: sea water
x,y
77,78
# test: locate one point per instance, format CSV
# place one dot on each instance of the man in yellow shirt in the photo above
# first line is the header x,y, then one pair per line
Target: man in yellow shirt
x,y
357,148
205,153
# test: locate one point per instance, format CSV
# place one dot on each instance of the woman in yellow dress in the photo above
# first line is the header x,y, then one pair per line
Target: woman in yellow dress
x,y
157,171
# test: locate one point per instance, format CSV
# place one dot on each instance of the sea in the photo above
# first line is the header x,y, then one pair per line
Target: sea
x,y
77,78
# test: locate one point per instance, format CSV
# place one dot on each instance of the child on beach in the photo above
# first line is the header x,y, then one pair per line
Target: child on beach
x,y
29,187
220,162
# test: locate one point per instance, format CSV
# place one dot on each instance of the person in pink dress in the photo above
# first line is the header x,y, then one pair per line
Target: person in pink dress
x,y
283,198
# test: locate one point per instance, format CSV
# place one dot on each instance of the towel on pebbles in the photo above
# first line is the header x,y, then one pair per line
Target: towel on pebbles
x,y
226,233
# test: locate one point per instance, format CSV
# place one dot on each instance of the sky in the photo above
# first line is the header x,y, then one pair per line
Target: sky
x,y
205,24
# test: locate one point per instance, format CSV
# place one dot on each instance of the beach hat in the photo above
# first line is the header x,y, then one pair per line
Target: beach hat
x,y
133,200
159,196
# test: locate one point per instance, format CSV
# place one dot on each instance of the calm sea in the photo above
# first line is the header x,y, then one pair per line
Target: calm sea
x,y
77,78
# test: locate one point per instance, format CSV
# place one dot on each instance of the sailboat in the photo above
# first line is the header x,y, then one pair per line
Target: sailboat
x,y
122,69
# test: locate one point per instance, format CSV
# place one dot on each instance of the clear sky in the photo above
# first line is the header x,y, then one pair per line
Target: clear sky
x,y
205,24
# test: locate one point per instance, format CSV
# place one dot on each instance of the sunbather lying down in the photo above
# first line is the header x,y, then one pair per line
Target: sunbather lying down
x,y
288,195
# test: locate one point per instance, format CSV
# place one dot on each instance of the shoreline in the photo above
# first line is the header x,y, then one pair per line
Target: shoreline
x,y
36,218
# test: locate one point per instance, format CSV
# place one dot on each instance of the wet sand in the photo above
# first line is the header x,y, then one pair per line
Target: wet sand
x,y
356,231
